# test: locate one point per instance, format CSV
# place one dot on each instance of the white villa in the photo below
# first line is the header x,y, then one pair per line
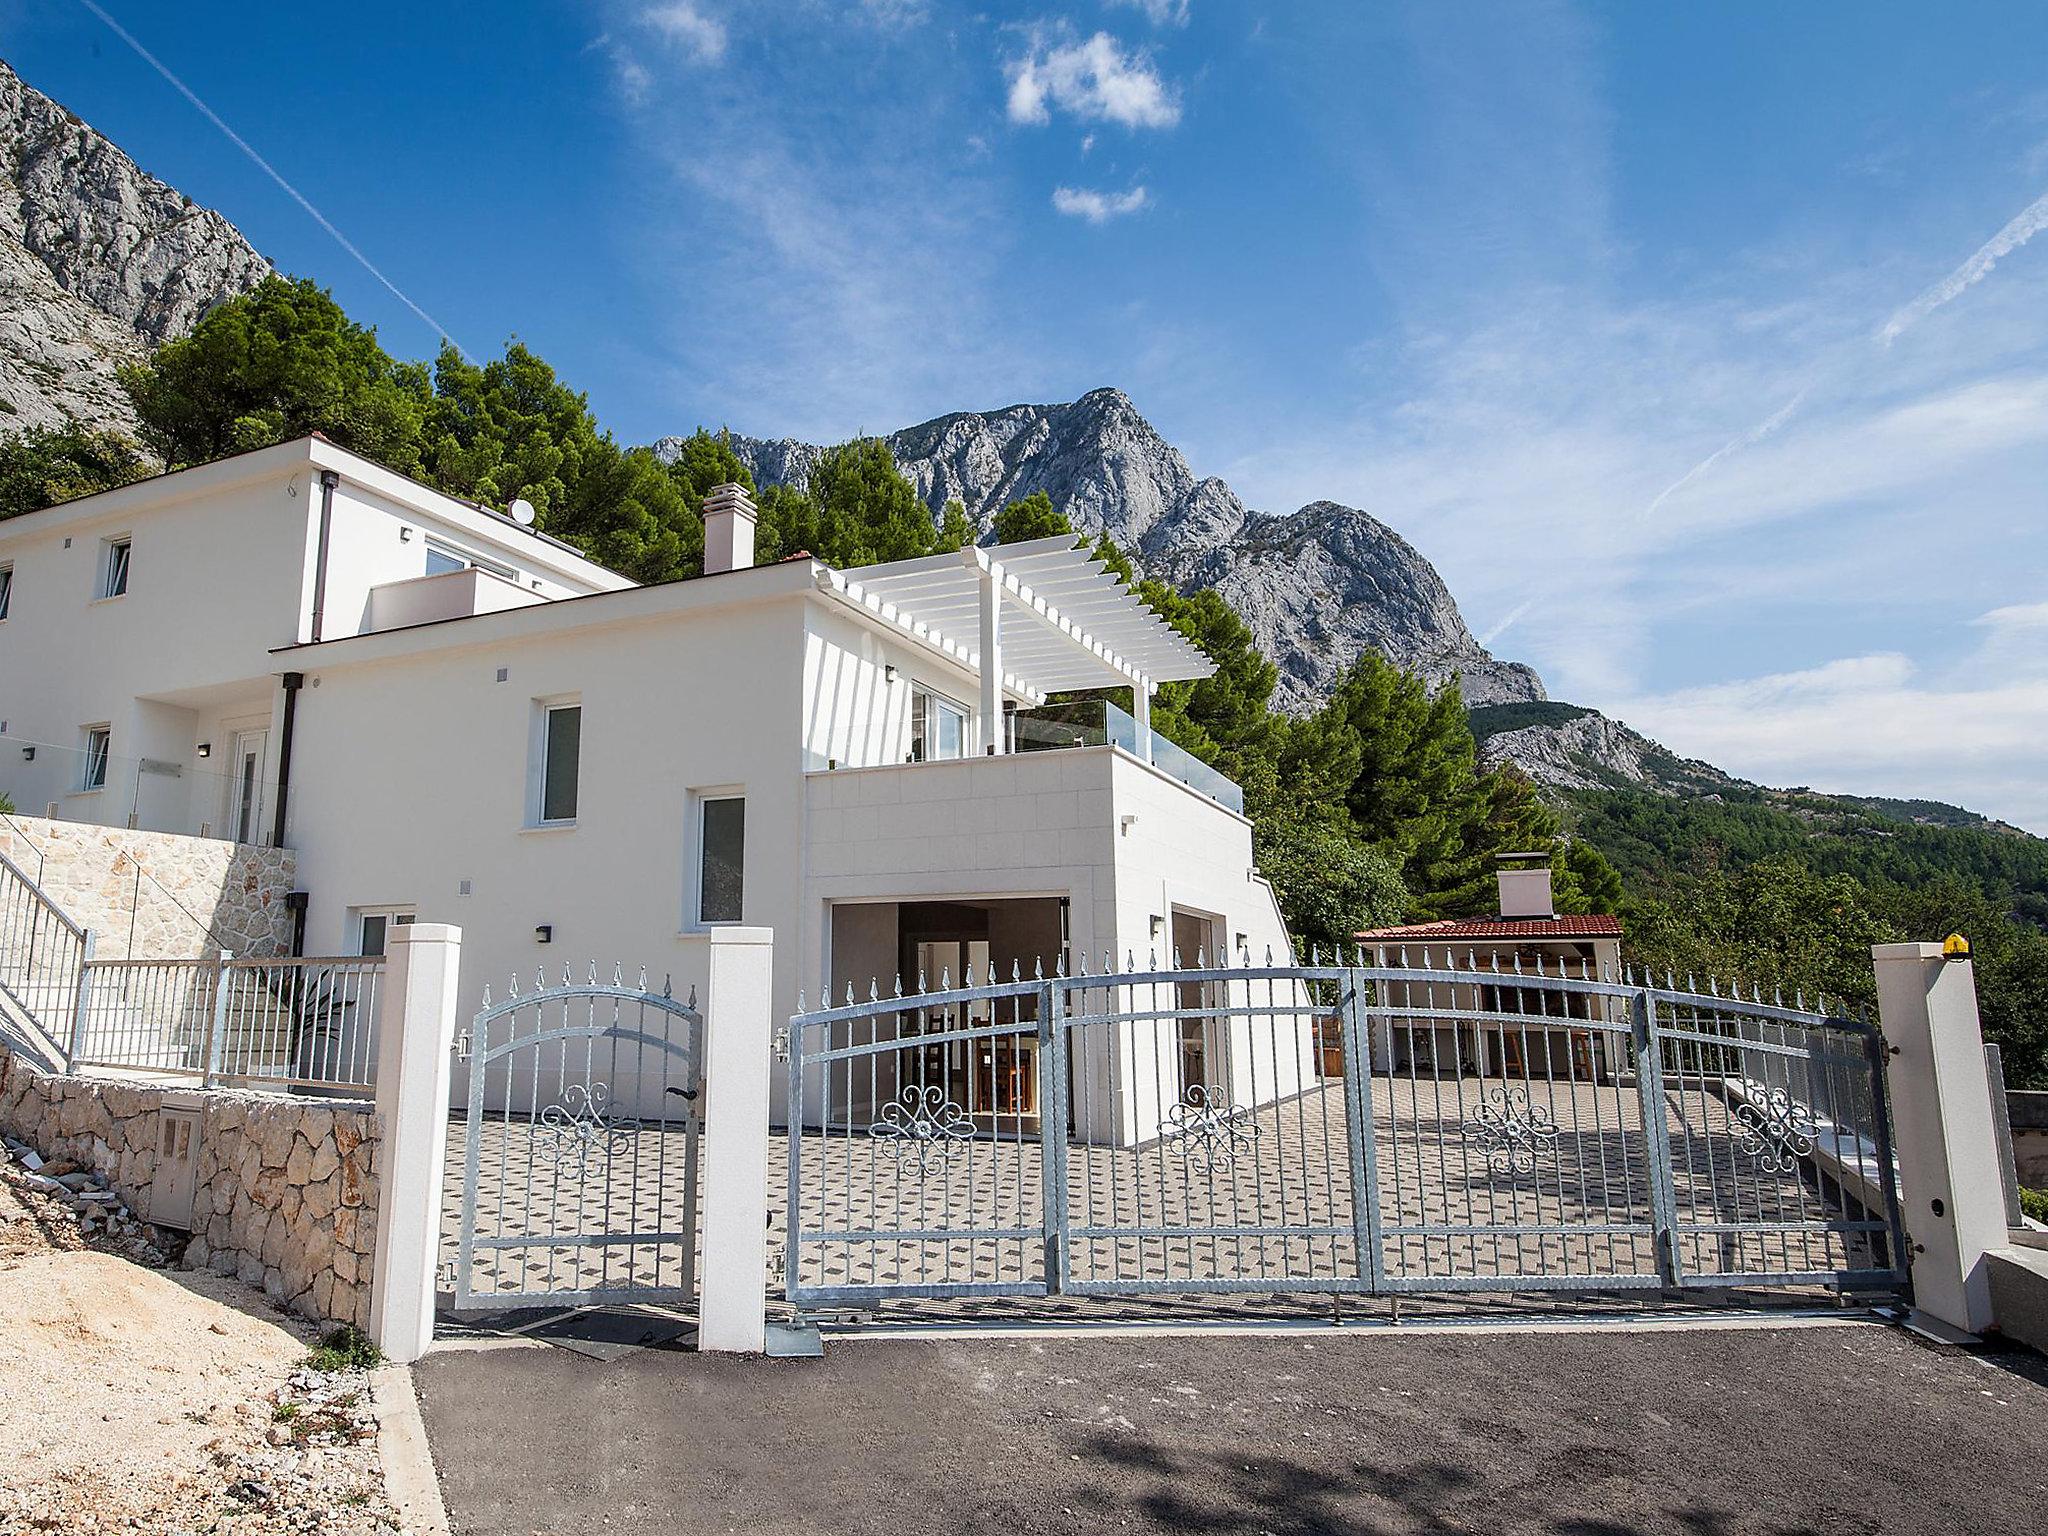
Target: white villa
x,y
453,717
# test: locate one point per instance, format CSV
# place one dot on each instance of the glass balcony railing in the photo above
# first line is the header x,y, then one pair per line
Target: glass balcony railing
x,y
1099,723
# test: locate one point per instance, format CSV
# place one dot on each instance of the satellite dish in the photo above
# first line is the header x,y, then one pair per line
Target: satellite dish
x,y
522,512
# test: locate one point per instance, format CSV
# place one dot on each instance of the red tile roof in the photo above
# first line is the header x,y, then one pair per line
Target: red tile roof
x,y
1596,926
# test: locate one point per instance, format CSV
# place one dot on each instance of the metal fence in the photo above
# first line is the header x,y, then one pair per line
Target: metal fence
x,y
1330,1128
41,950
286,1022
579,1152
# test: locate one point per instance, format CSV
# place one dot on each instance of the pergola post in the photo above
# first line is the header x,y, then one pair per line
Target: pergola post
x,y
1141,711
992,658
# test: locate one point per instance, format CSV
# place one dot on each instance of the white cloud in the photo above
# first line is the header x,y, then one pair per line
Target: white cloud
x,y
1098,207
1161,13
895,14
1094,80
1873,724
679,22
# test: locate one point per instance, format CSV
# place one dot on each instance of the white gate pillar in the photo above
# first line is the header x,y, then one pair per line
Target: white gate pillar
x,y
1950,1190
414,1036
732,1301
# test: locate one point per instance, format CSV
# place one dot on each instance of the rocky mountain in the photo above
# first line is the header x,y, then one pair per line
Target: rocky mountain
x,y
1568,746
1317,586
99,261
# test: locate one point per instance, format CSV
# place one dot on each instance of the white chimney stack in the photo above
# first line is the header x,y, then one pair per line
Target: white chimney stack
x,y
1525,892
728,529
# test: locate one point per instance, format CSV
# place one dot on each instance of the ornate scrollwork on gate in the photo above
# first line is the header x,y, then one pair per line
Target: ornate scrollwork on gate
x,y
1206,1130
926,1122
1774,1128
1508,1129
584,1124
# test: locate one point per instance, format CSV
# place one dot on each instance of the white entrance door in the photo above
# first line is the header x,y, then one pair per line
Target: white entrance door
x,y
245,788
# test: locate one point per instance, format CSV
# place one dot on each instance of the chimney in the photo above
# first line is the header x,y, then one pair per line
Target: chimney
x,y
728,529
1525,891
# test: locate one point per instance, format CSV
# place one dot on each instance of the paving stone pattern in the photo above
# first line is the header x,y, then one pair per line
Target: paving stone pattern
x,y
1262,1202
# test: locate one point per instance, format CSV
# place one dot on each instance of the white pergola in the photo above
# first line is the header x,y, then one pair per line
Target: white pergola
x,y
1034,619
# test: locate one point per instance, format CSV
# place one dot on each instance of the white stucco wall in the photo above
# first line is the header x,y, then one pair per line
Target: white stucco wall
x,y
222,572
414,779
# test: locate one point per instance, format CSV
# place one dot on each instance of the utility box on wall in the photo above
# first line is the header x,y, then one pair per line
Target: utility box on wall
x,y
176,1175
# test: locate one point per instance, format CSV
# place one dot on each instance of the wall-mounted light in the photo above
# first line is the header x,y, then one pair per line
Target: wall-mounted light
x,y
1126,822
404,535
1158,925
1243,942
206,749
544,934
28,754
889,673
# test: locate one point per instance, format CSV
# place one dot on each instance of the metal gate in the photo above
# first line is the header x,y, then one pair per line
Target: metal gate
x,y
579,1175
1333,1128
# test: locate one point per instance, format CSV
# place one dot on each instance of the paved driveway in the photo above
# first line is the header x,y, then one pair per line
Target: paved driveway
x,y
1830,1430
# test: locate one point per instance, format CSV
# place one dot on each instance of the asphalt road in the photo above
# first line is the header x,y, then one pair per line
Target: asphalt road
x,y
1826,1430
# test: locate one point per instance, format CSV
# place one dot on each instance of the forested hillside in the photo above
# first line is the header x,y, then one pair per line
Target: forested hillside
x,y
1372,808
1791,889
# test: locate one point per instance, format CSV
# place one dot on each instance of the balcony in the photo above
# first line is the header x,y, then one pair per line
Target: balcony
x,y
1099,723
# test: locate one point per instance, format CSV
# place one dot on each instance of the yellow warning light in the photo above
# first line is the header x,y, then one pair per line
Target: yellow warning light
x,y
1955,947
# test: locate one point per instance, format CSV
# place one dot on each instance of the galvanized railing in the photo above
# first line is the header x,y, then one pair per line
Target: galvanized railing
x,y
1437,1125
41,951
285,1022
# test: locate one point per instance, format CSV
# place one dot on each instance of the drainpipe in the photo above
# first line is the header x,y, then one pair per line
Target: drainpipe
x,y
293,681
328,481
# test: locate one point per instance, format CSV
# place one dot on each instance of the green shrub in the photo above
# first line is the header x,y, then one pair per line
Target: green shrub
x,y
344,1349
2034,1203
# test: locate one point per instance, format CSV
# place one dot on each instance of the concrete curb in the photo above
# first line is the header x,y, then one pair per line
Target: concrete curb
x,y
409,1478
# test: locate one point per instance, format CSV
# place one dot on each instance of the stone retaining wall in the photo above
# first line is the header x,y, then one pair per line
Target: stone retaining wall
x,y
158,895
285,1189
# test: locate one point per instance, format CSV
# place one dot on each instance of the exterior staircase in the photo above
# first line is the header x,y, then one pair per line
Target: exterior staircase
x,y
41,953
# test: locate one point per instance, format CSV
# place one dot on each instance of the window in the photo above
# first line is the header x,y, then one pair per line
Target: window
x,y
6,589
114,568
561,751
938,727
99,744
721,859
442,558
373,928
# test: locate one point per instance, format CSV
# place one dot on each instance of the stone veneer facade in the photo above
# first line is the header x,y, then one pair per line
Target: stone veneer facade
x,y
158,895
285,1191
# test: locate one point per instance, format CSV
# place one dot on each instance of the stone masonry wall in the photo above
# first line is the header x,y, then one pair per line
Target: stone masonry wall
x,y
158,895
286,1189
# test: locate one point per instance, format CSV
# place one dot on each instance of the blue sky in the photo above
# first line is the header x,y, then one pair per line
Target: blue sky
x,y
1705,349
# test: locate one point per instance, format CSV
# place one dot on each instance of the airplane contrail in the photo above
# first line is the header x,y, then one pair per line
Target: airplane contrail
x,y
2030,222
271,171
1755,434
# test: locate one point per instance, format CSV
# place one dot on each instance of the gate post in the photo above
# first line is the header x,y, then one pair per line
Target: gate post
x,y
1950,1189
732,1300
413,1042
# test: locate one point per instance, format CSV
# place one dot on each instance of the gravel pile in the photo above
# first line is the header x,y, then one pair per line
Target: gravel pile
x,y
136,1399
102,1221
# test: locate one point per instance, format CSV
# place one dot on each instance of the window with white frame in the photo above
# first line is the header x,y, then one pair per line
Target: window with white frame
x,y
443,557
373,927
99,749
114,568
6,590
721,858
938,727
561,754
